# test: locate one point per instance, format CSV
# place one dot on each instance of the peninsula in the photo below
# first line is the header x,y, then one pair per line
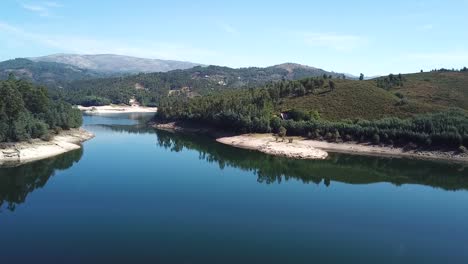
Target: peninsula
x,y
18,153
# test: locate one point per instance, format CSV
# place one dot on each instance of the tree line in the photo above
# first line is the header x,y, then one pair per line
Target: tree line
x,y
27,112
390,81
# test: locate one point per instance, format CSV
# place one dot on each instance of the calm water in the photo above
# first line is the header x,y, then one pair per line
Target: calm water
x,y
135,195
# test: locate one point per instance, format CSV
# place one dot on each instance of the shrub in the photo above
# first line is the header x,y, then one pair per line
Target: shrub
x,y
282,132
47,137
463,150
399,95
337,136
348,137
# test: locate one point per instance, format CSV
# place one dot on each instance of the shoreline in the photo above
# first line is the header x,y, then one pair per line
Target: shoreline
x,y
302,148
115,109
267,145
244,140
19,153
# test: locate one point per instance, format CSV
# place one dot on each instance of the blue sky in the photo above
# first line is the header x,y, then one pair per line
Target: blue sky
x,y
373,37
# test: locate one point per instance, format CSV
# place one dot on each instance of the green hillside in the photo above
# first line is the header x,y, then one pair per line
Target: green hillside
x,y
355,99
446,88
378,98
331,109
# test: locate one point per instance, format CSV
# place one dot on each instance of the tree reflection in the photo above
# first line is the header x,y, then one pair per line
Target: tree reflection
x,y
350,169
17,182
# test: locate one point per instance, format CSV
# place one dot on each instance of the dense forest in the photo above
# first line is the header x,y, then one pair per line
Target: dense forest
x,y
149,88
26,112
259,110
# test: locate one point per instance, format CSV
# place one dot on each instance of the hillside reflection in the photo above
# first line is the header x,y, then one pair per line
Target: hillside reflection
x,y
350,169
16,183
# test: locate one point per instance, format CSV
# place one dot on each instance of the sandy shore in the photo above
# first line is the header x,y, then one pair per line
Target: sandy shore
x,y
305,149
14,154
113,109
268,144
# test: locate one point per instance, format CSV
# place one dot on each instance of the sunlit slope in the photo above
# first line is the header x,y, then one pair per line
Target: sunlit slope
x,y
358,99
448,89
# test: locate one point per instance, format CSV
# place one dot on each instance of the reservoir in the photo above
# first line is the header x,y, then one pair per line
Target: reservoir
x,y
136,195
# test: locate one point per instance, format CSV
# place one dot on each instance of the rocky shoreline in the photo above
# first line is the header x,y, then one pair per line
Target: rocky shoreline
x,y
18,153
267,145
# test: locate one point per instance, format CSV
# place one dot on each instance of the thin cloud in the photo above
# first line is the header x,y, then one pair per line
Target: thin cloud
x,y
229,29
43,9
40,10
426,27
53,4
86,45
339,42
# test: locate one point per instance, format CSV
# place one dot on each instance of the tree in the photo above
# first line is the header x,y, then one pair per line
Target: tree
x,y
300,90
12,100
376,139
331,84
315,115
27,112
361,77
282,132
275,123
337,136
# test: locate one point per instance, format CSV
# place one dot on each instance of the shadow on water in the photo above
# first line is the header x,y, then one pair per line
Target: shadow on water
x,y
16,183
351,169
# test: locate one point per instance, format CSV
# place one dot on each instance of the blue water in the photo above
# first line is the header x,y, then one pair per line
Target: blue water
x,y
134,195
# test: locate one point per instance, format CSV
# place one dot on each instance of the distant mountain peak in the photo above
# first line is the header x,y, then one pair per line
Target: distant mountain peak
x,y
289,66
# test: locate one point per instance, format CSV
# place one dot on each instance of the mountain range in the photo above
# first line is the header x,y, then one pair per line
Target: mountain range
x,y
116,64
59,70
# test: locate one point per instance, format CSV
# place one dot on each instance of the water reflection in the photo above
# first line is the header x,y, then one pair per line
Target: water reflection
x,y
17,183
350,169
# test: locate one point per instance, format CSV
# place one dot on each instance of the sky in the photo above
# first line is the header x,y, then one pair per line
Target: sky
x,y
372,37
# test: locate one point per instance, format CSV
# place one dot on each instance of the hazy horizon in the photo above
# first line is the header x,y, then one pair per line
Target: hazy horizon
x,y
391,37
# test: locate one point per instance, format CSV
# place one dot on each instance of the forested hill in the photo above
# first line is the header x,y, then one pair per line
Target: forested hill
x,y
50,74
425,109
26,111
149,88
